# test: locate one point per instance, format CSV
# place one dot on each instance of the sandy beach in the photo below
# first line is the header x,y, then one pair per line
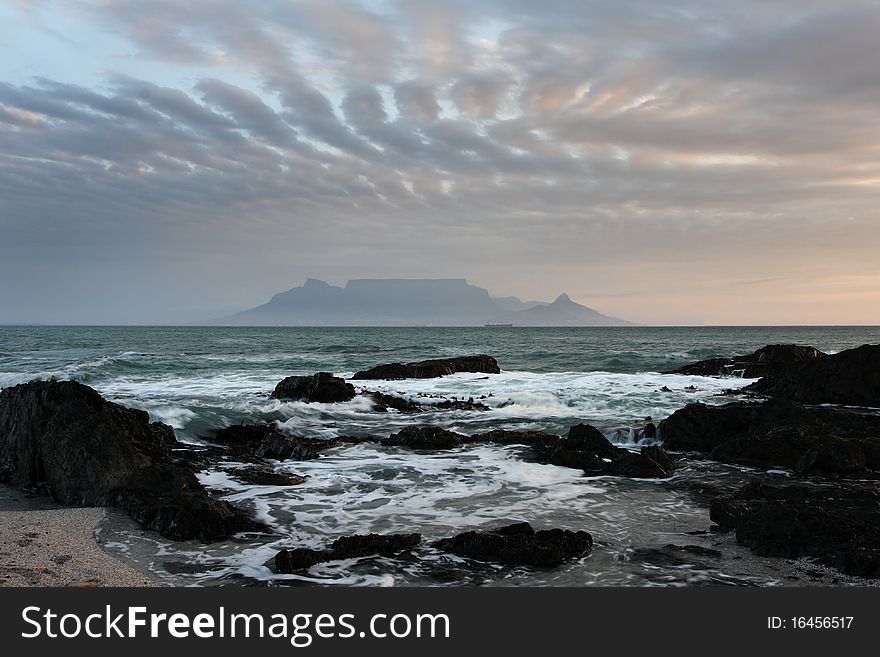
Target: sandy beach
x,y
45,545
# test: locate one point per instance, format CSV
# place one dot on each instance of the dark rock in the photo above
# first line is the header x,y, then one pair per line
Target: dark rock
x,y
425,438
508,437
519,544
851,377
428,369
263,475
674,555
459,405
636,464
291,448
345,547
296,559
801,448
589,438
587,448
360,545
244,434
64,438
265,441
566,457
838,526
382,402
778,433
699,427
660,456
770,360
322,387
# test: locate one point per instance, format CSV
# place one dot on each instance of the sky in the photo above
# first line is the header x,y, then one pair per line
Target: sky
x,y
688,162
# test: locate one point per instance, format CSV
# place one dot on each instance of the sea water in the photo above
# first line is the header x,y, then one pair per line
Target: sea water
x,y
200,378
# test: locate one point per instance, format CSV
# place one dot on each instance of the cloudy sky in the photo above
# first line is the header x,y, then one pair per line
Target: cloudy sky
x,y
696,161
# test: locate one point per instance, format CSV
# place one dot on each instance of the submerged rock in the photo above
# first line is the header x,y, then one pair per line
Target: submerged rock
x,y
428,369
778,433
322,387
851,377
63,438
766,361
838,526
519,544
674,555
345,547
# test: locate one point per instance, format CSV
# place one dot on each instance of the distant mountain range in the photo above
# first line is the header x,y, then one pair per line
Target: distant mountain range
x,y
407,302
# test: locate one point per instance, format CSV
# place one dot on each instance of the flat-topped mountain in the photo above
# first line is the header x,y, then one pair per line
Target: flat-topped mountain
x,y
406,302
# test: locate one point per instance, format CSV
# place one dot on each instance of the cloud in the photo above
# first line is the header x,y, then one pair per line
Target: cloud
x,y
409,138
417,100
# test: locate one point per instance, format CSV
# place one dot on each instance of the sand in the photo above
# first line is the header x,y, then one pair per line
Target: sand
x,y
57,547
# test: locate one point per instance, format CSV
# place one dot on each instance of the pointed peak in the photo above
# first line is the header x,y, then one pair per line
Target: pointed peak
x,y
563,298
314,282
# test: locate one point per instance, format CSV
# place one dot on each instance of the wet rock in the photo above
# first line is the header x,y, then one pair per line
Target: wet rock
x,y
425,438
244,434
636,464
566,457
851,377
675,555
265,441
263,475
62,437
322,387
659,456
778,433
427,369
519,544
382,402
361,545
345,547
700,427
291,448
296,559
459,405
587,448
766,361
509,437
804,449
839,526
589,438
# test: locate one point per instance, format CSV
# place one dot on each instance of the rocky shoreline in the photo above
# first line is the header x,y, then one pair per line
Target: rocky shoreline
x,y
62,439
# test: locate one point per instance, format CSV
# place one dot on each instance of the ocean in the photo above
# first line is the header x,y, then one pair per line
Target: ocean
x,y
200,378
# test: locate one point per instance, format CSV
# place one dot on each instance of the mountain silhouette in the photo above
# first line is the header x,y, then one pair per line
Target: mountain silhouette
x,y
411,302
